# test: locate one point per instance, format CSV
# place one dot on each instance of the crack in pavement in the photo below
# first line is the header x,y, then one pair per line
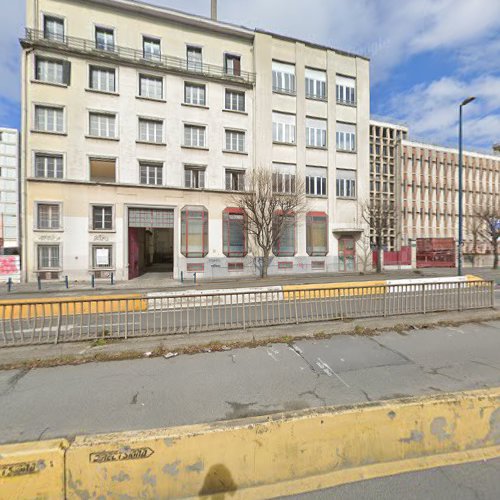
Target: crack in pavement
x,y
14,380
485,364
459,483
297,350
394,351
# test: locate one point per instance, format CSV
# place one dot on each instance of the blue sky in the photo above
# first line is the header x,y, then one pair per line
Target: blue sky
x,y
426,55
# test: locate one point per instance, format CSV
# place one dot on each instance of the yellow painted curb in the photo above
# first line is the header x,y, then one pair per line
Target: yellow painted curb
x,y
326,290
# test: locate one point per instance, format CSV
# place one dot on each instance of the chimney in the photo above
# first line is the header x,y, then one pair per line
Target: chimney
x,y
496,148
213,10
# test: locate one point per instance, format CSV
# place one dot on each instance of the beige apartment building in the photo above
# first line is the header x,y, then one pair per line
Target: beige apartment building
x,y
139,121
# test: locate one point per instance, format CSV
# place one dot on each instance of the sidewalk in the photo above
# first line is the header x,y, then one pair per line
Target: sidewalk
x,y
159,283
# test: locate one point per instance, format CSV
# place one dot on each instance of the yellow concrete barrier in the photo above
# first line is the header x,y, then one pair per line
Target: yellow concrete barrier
x,y
327,290
32,470
282,454
69,306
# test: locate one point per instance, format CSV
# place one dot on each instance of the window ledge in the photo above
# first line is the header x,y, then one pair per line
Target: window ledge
x,y
285,143
115,139
195,147
53,84
151,143
48,132
97,269
285,92
244,153
318,99
346,198
105,92
348,104
321,148
52,270
320,196
38,230
106,231
154,99
202,106
347,151
235,111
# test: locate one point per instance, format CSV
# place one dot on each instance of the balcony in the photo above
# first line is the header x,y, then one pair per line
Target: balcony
x,y
111,52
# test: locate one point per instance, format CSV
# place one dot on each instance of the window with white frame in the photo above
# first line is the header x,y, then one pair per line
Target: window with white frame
x,y
49,119
283,77
53,28
284,178
194,177
194,58
151,130
194,136
48,257
102,217
235,100
195,94
102,125
283,128
103,79
48,166
232,64
315,133
151,48
151,86
104,38
151,173
235,180
346,89
52,70
235,141
346,136
48,216
346,183
102,256
315,84
316,181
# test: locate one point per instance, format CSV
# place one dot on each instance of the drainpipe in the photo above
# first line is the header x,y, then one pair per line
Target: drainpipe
x,y
213,10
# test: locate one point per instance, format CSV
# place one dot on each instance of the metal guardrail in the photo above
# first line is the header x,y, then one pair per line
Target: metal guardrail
x,y
61,320
170,63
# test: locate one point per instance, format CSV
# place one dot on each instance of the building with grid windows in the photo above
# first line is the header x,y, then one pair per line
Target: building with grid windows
x,y
139,122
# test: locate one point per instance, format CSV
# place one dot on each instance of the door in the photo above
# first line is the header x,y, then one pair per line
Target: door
x,y
133,253
347,254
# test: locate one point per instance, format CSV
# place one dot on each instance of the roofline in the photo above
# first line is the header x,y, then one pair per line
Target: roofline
x,y
8,129
415,143
381,123
310,44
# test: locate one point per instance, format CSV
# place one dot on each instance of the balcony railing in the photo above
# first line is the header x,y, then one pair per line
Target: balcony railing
x,y
112,51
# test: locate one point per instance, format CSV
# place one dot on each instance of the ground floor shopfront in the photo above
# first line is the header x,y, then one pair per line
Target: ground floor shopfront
x,y
81,230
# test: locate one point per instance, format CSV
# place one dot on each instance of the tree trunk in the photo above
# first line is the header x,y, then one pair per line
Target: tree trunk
x,y
495,254
265,264
379,255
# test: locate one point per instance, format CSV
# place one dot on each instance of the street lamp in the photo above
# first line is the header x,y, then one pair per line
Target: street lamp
x,y
460,187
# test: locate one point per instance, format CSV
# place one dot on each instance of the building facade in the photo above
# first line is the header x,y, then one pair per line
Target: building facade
x,y
9,190
140,121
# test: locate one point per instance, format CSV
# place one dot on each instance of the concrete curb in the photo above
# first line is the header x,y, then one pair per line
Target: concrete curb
x,y
263,457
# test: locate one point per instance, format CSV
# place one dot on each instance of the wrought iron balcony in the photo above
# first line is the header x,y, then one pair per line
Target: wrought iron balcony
x,y
91,48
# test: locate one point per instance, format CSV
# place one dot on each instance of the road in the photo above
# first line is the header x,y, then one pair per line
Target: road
x,y
473,481
149,393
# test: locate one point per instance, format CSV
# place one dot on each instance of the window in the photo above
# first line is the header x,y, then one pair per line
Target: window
x,y
235,101
317,234
151,86
195,94
53,28
232,65
235,180
285,243
151,48
102,256
346,90
105,39
48,166
48,216
194,231
316,181
102,217
151,174
346,137
283,78
235,141
151,130
52,71
102,125
283,128
194,177
102,170
194,136
315,84
49,119
346,183
283,178
315,133
102,79
234,242
194,59
48,257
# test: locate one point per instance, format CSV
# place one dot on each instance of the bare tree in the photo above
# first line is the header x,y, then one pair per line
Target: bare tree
x,y
364,253
490,229
269,213
475,227
377,214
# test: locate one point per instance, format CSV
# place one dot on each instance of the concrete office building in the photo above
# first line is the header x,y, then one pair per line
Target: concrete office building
x,y
138,121
9,188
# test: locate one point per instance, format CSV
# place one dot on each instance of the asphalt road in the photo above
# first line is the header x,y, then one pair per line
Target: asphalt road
x,y
472,481
149,393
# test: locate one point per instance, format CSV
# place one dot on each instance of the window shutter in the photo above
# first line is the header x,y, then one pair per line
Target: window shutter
x,y
201,178
228,181
187,178
66,72
237,67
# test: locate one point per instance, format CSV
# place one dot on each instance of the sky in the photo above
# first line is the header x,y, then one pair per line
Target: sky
x,y
426,55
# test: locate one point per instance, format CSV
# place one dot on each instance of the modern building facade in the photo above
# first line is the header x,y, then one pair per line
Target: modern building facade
x,y
9,191
139,122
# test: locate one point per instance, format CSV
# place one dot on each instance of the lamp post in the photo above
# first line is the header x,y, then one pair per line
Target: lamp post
x,y
460,187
